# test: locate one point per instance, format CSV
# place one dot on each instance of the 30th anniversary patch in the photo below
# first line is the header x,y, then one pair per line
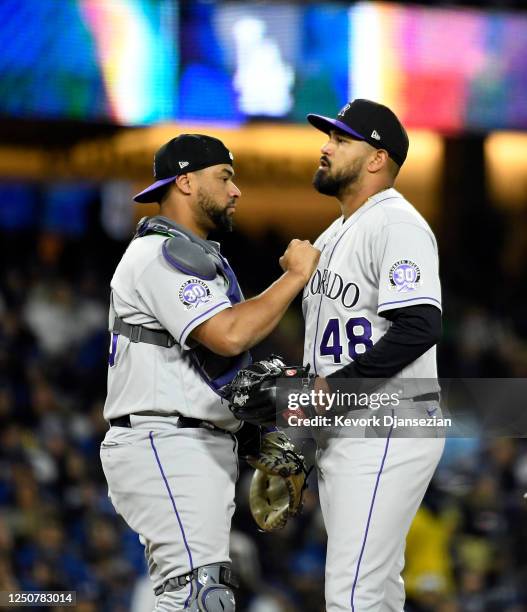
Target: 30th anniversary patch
x,y
193,293
405,275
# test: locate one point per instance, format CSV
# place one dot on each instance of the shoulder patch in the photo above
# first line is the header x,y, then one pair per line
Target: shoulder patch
x,y
405,275
193,293
188,257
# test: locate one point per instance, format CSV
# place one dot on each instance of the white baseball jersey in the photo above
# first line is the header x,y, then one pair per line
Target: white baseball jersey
x,y
383,256
148,291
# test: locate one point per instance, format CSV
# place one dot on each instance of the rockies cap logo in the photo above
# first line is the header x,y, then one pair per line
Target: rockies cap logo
x,y
343,110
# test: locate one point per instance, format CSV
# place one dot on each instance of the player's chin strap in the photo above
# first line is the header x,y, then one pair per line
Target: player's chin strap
x,y
211,592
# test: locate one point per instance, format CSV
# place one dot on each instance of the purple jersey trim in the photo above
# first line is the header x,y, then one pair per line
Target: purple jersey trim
x,y
113,350
318,318
424,297
369,517
200,316
151,435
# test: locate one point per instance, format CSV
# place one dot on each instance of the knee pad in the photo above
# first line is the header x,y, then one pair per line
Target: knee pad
x,y
212,589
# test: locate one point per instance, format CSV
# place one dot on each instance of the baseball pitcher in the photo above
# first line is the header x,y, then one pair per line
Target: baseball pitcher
x,y
372,316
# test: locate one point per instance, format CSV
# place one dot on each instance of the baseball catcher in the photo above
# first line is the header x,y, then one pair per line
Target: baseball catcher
x,y
280,476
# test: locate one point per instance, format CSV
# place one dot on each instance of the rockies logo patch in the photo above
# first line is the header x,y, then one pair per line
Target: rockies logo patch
x,y
193,293
405,275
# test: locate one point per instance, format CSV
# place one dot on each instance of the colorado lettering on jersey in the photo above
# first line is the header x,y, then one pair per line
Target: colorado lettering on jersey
x,y
333,286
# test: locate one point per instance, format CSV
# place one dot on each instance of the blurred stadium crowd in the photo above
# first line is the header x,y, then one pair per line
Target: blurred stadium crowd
x,y
467,550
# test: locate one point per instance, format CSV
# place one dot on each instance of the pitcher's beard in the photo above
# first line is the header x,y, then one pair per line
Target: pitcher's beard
x,y
329,185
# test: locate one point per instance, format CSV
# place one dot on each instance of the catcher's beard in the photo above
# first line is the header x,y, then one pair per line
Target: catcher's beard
x,y
218,215
336,185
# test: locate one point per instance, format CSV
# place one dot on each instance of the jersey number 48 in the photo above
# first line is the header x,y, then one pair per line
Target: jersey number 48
x,y
358,333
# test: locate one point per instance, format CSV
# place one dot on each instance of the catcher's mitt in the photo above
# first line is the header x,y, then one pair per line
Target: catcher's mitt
x,y
253,396
278,482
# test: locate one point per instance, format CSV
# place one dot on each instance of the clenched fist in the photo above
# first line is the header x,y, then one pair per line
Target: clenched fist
x,y
300,258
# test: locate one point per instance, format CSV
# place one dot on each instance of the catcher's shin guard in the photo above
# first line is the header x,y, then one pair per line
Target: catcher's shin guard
x,y
211,592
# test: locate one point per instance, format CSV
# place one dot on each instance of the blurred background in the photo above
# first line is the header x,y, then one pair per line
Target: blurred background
x,y
89,89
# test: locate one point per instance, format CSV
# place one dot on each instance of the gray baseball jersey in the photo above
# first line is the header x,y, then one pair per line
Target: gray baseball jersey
x,y
383,256
148,291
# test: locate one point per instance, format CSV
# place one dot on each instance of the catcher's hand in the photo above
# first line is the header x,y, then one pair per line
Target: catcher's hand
x,y
252,394
278,482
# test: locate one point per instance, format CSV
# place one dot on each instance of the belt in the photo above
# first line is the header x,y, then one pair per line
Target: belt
x,y
426,397
139,333
123,421
182,423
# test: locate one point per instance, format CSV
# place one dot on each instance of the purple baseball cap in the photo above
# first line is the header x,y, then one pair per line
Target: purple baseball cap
x,y
185,153
370,121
